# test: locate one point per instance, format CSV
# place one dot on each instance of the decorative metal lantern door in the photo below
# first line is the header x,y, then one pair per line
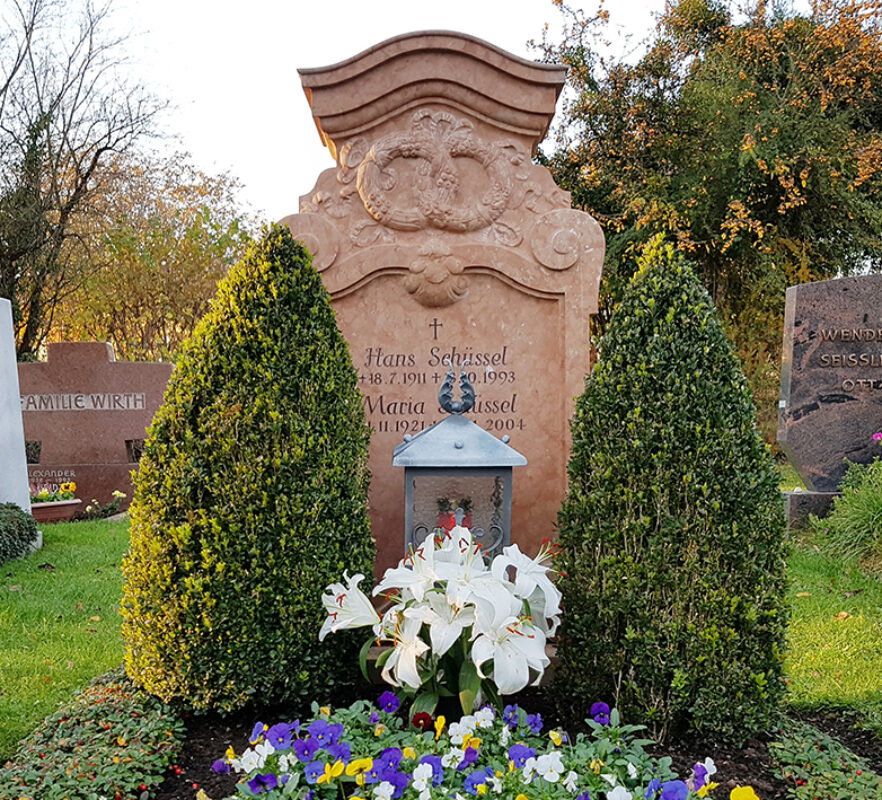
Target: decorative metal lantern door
x,y
455,472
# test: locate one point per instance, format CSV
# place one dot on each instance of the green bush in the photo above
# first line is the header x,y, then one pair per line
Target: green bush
x,y
854,527
18,531
671,535
250,498
111,740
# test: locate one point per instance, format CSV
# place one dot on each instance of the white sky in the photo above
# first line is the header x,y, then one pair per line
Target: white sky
x,y
230,70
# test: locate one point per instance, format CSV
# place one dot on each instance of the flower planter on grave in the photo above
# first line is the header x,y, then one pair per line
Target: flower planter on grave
x,y
55,511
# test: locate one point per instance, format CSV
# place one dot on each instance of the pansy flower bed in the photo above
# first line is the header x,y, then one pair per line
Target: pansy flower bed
x,y
372,752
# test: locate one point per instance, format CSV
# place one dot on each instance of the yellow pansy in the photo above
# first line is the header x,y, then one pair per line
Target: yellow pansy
x,y
325,711
440,721
481,788
522,797
556,738
596,765
743,793
230,754
331,772
708,787
359,765
408,752
380,729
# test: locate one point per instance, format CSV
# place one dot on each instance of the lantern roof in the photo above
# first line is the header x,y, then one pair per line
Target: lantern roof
x,y
455,442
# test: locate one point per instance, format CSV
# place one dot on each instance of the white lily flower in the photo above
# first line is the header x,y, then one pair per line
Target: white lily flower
x,y
407,649
550,766
515,647
347,607
530,575
446,622
619,793
384,790
414,575
570,783
536,602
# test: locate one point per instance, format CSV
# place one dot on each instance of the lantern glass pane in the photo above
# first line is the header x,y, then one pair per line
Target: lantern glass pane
x,y
437,497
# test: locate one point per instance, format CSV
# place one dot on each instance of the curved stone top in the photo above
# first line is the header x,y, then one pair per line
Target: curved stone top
x,y
454,69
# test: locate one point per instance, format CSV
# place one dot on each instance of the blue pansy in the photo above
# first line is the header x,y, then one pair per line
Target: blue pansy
x,y
510,716
674,790
700,772
325,733
652,788
437,768
389,702
257,733
398,779
519,753
305,749
586,795
220,766
313,771
374,718
600,713
534,723
263,783
474,780
341,750
391,757
279,736
470,757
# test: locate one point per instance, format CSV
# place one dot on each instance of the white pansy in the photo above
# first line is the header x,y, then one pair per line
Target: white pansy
x,y
384,790
619,793
710,767
570,783
528,769
495,784
611,779
284,764
484,717
422,777
452,758
550,766
505,736
347,606
251,761
632,770
459,730
401,666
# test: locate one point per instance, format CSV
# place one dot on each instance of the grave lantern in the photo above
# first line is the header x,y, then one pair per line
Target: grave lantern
x,y
455,472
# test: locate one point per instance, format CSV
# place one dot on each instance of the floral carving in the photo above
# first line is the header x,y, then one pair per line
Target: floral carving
x,y
431,194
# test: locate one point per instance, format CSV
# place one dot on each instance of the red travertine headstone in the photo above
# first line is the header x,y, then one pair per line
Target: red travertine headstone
x,y
441,242
89,414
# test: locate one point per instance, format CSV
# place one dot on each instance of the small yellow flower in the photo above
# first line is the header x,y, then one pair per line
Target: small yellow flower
x,y
380,729
359,765
325,711
556,738
408,752
355,797
708,787
596,765
230,754
440,721
522,797
481,788
743,793
331,772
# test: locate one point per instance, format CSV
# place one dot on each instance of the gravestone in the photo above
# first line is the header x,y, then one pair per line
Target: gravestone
x,y
441,244
85,416
13,468
831,381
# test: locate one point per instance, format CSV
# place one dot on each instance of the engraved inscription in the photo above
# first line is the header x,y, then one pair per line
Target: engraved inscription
x,y
83,401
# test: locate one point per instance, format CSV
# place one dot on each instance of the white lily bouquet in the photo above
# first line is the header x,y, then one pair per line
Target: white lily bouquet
x,y
456,626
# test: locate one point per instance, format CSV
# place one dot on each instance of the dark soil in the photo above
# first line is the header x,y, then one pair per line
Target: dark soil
x,y
208,736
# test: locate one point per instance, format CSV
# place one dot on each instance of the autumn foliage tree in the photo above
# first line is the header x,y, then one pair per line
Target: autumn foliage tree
x,y
166,234
751,135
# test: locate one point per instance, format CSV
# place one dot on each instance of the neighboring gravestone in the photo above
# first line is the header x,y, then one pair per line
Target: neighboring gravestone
x,y
85,416
442,243
13,467
831,382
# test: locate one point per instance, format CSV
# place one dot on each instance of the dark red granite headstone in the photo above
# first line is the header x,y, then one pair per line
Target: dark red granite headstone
x,y
85,416
831,377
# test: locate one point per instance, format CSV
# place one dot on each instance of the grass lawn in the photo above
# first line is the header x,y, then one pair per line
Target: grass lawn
x,y
60,627
835,635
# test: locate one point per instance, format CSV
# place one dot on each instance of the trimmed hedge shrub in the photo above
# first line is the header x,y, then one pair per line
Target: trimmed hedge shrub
x,y
250,498
671,535
18,531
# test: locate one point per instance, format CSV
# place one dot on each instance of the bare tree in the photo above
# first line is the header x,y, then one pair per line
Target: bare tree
x,y
66,107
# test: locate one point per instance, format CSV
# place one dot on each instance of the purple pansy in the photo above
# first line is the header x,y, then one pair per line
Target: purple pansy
x,y
510,716
474,780
437,768
534,723
220,766
470,757
305,749
391,757
700,773
279,736
374,718
652,788
341,750
398,779
388,702
586,795
325,733
519,753
600,713
674,790
263,783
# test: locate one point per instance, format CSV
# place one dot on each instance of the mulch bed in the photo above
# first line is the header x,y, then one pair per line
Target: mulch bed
x,y
208,736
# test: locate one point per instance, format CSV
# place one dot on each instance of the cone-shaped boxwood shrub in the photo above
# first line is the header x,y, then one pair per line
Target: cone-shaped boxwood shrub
x,y
671,535
250,498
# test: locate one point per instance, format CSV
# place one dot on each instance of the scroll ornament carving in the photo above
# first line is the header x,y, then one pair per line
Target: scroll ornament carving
x,y
436,278
562,238
433,194
318,235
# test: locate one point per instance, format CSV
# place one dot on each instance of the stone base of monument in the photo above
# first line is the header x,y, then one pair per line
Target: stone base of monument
x,y
55,511
799,505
